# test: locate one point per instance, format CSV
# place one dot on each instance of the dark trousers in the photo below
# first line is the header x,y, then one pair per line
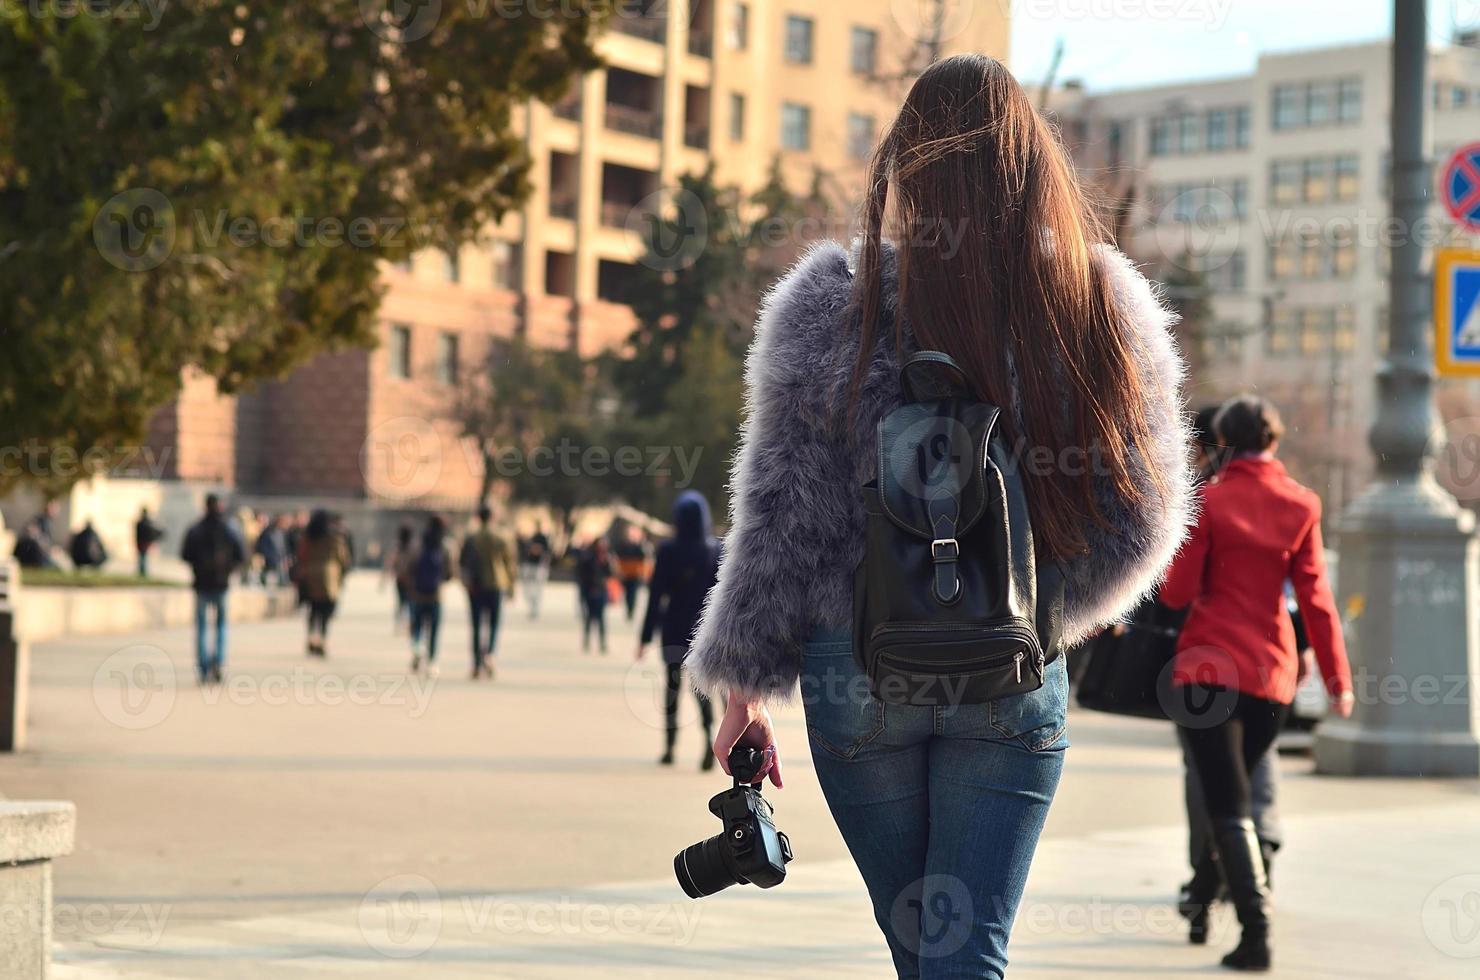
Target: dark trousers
x,y
1226,745
1264,784
629,593
426,616
670,705
593,612
484,607
319,614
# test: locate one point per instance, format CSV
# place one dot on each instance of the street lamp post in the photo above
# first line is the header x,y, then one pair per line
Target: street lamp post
x,y
1408,551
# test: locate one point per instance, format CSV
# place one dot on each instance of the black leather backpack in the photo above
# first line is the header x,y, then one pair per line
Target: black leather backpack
x,y
950,606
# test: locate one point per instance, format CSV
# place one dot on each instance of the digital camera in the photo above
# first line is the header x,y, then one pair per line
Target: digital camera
x,y
750,850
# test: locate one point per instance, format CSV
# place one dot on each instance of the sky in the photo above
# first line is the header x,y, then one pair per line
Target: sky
x,y
1113,44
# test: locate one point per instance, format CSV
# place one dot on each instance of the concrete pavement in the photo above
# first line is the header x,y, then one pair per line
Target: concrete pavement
x,y
338,818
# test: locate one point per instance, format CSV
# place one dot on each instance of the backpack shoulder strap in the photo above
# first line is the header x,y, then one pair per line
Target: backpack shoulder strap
x,y
930,375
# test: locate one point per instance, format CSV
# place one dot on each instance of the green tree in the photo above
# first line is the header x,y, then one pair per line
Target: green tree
x,y
213,185
511,406
696,292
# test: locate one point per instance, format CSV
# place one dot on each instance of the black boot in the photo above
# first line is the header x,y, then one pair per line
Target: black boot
x,y
1198,897
1243,869
1267,849
671,736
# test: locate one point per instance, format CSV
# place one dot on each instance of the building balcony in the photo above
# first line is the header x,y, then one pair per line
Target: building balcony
x,y
638,122
701,44
696,136
615,214
647,28
563,206
567,109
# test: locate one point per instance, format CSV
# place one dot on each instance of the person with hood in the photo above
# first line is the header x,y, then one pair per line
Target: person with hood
x,y
86,549
683,574
323,560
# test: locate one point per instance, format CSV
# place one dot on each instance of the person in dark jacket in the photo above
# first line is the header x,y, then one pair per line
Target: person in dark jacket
x,y
595,573
213,551
683,574
1236,657
86,549
147,533
29,550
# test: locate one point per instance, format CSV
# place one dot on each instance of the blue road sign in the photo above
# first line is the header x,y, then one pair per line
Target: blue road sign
x,y
1457,312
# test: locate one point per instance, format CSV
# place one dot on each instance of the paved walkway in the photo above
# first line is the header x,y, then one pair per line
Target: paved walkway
x,y
337,818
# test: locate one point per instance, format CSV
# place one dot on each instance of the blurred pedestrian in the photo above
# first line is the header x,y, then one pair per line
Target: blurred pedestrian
x,y
398,571
29,550
596,579
683,574
272,551
632,565
86,549
147,533
323,561
1236,656
249,529
487,560
213,550
534,568
430,565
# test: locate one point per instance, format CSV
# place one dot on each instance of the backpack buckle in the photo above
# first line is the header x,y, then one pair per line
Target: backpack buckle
x,y
938,544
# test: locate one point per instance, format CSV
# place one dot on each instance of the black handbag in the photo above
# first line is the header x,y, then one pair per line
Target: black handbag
x,y
950,606
1128,669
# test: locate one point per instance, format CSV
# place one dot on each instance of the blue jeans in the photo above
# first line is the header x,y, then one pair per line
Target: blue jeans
x,y
426,617
205,659
941,808
484,607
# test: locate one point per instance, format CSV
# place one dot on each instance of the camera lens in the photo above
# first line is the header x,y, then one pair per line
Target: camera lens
x,y
701,868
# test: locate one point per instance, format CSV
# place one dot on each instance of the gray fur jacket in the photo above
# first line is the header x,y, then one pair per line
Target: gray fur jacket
x,y
796,512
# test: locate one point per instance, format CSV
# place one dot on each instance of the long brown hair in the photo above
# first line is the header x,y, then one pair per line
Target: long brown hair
x,y
995,268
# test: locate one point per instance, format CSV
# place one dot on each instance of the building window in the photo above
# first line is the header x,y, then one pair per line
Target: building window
x,y
400,351
1189,138
1318,107
1343,256
1315,180
506,265
1345,335
1315,329
860,135
1312,258
447,358
739,29
1115,143
1279,338
1218,129
1284,182
1238,270
1241,127
1239,192
1282,261
863,54
1161,136
737,117
451,268
1349,100
1347,183
796,126
1289,106
798,39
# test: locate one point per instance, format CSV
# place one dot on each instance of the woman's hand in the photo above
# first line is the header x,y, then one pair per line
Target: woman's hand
x,y
1342,704
747,722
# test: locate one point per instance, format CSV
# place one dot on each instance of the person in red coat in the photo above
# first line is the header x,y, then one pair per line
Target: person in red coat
x,y
1236,664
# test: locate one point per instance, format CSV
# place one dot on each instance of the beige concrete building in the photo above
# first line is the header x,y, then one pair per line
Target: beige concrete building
x,y
736,84
1274,186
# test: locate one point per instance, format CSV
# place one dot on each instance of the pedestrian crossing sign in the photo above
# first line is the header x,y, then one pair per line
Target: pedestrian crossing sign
x,y
1457,312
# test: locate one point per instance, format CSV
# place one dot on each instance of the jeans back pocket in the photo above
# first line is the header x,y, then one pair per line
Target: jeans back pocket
x,y
1038,719
842,716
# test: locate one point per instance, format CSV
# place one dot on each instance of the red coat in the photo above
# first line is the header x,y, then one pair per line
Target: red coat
x,y
1258,529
